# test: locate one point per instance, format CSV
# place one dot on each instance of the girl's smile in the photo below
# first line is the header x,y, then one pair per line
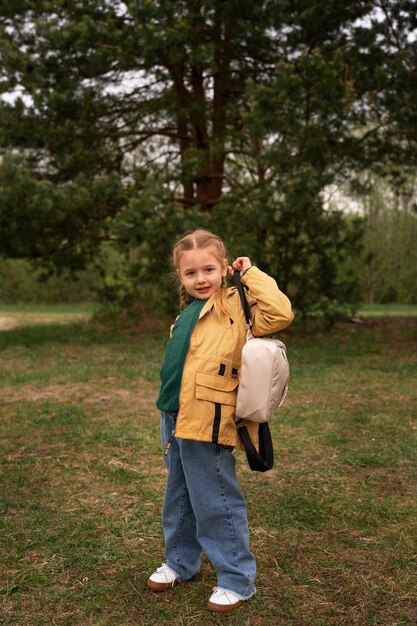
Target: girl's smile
x,y
201,272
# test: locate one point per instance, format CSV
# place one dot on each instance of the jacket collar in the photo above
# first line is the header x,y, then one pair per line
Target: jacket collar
x,y
207,307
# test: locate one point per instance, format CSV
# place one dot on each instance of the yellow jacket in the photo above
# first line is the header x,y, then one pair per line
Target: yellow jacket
x,y
211,369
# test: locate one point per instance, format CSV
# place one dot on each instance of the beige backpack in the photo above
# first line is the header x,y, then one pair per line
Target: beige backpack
x,y
264,373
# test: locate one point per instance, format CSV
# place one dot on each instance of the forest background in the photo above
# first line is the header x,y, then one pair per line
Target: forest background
x,y
288,127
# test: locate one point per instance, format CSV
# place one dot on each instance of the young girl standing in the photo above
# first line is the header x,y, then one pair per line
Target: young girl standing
x,y
203,506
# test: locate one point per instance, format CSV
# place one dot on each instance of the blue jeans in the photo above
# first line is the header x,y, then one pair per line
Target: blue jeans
x,y
205,510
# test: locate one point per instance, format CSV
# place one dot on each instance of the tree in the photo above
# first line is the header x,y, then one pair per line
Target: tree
x,y
389,259
188,111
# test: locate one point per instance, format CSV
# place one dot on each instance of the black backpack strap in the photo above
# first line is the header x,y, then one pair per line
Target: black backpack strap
x,y
245,305
263,460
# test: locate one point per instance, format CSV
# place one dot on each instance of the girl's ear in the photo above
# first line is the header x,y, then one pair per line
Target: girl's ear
x,y
224,272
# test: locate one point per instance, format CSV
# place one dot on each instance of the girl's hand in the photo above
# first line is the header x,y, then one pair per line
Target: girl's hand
x,y
242,263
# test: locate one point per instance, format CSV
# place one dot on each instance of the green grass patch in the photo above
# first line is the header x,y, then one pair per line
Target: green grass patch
x,y
388,310
333,525
47,309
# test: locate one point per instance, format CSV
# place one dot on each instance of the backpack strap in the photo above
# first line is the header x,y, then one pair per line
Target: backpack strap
x,y
263,460
245,305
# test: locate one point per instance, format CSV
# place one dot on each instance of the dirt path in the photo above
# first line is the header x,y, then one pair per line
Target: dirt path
x,y
7,323
30,318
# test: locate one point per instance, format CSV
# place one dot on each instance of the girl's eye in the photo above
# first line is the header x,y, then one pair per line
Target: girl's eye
x,y
209,269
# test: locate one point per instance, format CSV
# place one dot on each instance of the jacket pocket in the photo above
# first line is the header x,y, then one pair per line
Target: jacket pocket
x,y
216,388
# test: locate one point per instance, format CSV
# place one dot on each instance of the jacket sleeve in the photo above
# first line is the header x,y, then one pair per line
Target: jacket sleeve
x,y
270,308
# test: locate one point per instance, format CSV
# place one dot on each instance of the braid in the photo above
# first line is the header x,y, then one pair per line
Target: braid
x,y
221,304
183,297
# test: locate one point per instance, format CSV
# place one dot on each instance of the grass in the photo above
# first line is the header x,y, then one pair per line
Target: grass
x,y
333,525
47,309
390,310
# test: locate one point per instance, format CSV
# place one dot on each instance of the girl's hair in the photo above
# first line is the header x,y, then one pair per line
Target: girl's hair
x,y
197,240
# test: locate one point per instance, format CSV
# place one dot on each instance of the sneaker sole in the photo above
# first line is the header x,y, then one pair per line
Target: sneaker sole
x,y
154,586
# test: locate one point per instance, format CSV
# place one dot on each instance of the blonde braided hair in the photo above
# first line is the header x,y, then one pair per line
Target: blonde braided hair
x,y
183,297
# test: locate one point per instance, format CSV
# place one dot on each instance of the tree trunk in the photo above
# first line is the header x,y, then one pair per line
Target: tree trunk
x,y
182,98
201,125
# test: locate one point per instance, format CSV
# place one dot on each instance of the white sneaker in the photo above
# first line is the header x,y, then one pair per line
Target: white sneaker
x,y
223,600
163,578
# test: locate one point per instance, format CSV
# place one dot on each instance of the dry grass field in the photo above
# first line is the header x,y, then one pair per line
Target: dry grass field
x,y
333,525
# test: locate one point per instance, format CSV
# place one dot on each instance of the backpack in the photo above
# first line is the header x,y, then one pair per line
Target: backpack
x,y
263,381
263,385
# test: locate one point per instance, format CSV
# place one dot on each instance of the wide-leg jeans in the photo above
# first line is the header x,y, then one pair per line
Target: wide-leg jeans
x,y
205,510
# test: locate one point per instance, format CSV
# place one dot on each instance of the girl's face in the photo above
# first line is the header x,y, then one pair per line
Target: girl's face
x,y
201,272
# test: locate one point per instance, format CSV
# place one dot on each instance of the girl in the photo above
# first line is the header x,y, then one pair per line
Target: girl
x,y
203,506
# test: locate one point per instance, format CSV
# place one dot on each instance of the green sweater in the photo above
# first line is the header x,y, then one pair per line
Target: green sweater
x,y
175,355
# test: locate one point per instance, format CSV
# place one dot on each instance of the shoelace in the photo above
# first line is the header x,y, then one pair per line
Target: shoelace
x,y
230,595
165,569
